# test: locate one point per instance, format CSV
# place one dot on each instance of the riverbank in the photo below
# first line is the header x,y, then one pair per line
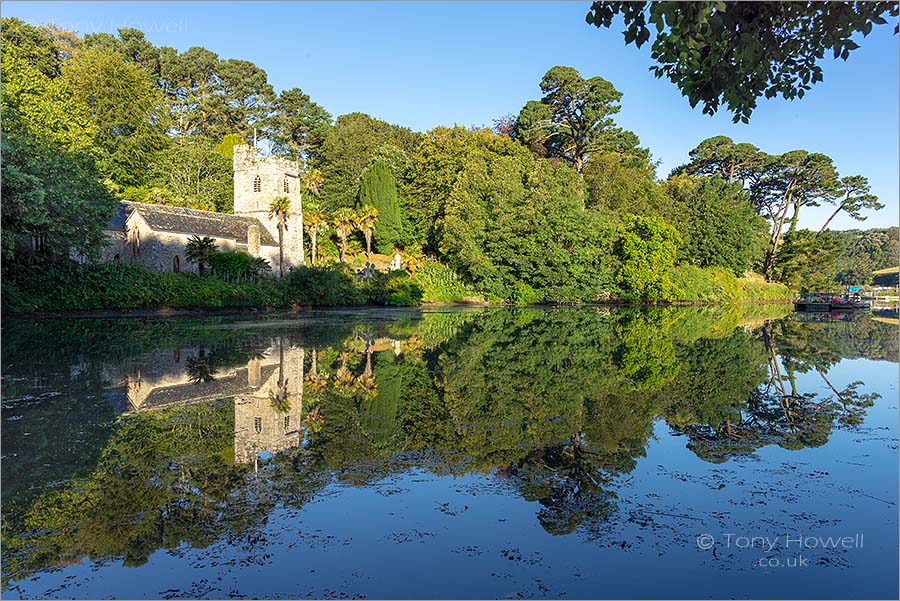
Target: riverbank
x,y
121,289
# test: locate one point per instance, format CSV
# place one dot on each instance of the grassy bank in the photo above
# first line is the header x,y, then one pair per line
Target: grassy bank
x,y
116,286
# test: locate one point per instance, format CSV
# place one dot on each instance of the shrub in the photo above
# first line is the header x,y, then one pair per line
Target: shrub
x,y
54,286
229,265
439,283
646,248
719,285
401,290
331,285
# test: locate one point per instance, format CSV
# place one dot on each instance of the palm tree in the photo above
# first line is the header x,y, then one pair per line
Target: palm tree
x,y
314,223
200,250
257,268
280,208
344,222
365,220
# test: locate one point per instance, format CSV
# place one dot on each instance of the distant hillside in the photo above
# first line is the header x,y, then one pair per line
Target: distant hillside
x,y
867,254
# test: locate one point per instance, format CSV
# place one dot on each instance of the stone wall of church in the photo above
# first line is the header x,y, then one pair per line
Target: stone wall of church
x,y
257,181
158,251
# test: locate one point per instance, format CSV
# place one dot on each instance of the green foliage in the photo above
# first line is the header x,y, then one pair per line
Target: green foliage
x,y
119,285
196,175
336,285
331,285
647,248
866,251
127,110
401,290
33,46
617,184
51,184
808,261
720,156
780,45
378,189
52,195
719,285
434,170
440,284
230,266
347,151
299,125
577,118
200,251
512,220
717,223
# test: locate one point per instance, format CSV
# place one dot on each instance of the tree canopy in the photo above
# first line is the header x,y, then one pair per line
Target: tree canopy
x,y
768,48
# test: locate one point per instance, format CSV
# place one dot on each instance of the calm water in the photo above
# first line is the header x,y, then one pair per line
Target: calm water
x,y
581,452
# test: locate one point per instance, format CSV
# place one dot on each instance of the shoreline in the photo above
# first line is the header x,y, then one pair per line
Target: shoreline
x,y
166,312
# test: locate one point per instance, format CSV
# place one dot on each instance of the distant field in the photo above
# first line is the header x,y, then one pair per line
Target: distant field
x,y
886,271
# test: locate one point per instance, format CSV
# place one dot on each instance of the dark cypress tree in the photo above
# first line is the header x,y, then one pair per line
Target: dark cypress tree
x,y
379,189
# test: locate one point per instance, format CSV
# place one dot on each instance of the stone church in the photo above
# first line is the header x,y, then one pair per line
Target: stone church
x,y
155,236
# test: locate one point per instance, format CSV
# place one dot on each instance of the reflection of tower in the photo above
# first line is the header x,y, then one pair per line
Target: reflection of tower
x,y
267,418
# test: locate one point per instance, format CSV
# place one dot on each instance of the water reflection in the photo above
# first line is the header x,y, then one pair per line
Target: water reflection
x,y
192,432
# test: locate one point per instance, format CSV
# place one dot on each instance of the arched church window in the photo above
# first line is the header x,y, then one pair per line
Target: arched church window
x,y
176,264
287,185
257,184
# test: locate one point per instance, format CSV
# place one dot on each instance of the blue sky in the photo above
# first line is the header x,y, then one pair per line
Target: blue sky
x,y
422,64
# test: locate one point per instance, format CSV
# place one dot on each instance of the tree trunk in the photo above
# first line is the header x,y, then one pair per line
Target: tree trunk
x,y
281,247
776,237
368,236
300,228
833,215
343,245
794,217
312,249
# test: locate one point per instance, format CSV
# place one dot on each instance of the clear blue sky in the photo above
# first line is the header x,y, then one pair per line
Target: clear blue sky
x,y
422,64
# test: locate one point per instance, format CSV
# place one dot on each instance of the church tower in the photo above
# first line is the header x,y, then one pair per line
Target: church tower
x,y
258,180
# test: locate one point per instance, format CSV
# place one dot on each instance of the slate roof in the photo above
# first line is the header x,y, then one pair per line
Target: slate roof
x,y
191,221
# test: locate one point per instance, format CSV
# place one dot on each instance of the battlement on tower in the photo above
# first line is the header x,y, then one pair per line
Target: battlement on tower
x,y
260,179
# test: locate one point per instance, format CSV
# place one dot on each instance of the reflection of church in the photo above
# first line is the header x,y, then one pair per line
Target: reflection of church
x,y
267,392
267,417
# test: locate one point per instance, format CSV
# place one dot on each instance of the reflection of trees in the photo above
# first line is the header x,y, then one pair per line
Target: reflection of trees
x,y
774,411
163,479
558,403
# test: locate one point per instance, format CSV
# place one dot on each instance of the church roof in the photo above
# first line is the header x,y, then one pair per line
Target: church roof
x,y
191,221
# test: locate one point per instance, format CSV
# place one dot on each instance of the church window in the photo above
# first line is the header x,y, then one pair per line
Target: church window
x,y
257,184
287,422
257,424
176,264
135,242
287,185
